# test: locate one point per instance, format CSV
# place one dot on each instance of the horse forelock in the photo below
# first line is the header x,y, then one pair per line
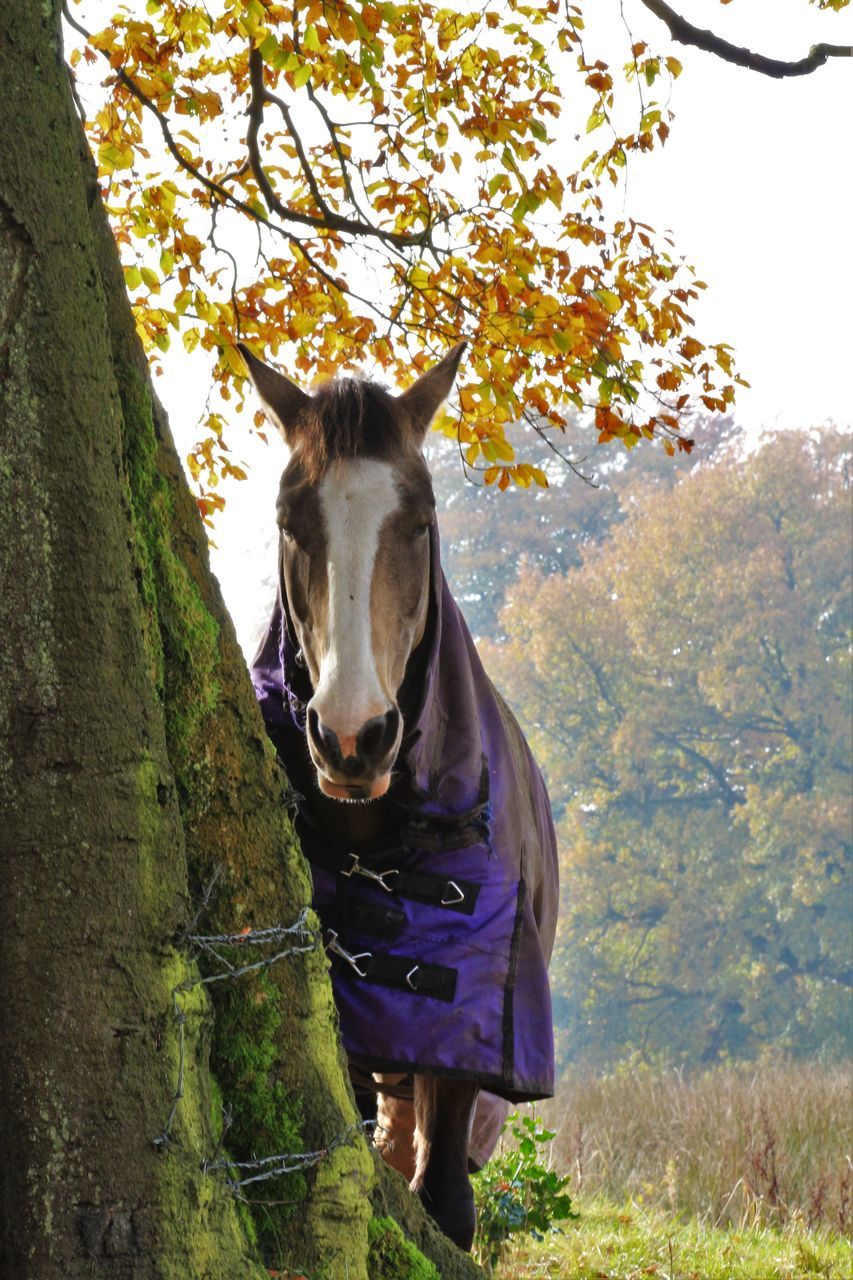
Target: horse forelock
x,y
349,418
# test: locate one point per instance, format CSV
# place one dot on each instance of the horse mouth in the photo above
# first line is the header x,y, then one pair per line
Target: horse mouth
x,y
353,792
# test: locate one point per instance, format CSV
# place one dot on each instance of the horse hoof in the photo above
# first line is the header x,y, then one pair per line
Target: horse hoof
x,y
457,1220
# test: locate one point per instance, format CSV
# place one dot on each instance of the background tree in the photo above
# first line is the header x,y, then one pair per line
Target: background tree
x,y
688,691
491,539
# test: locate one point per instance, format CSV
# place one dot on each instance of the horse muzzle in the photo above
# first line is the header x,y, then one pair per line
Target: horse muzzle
x,y
350,792
355,766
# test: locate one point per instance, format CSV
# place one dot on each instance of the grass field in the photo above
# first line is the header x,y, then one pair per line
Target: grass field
x,y
734,1175
635,1243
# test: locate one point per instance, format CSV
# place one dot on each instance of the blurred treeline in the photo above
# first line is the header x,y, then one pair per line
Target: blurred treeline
x,y
676,644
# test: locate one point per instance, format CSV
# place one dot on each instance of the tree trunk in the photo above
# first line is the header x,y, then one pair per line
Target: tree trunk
x,y
133,763
93,861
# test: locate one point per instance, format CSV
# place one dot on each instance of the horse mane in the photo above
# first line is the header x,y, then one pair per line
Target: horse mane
x,y
349,418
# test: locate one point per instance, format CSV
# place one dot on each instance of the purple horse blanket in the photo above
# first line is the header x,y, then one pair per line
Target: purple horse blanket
x,y
439,936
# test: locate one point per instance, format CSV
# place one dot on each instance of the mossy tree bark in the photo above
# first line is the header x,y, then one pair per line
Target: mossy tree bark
x,y
133,762
93,863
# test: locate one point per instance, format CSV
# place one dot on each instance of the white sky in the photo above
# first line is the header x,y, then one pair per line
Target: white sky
x,y
756,184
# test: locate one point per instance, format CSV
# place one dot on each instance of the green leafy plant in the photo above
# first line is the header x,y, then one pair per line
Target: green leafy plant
x,y
517,1193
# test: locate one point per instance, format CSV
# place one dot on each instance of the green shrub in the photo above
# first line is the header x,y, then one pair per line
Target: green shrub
x,y
517,1193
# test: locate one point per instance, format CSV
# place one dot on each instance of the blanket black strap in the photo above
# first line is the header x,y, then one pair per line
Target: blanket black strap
x,y
351,914
418,886
401,972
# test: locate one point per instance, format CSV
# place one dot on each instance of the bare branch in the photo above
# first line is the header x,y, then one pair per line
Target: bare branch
x,y
336,143
260,96
684,32
329,220
573,466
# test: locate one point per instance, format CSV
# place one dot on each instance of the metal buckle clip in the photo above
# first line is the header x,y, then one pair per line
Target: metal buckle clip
x,y
411,975
356,869
352,960
452,902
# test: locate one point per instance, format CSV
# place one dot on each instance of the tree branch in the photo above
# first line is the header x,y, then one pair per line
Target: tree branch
x,y
329,220
684,32
226,197
215,188
336,143
732,796
260,96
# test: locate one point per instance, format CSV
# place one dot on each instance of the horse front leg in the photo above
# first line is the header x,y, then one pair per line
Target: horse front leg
x,y
395,1130
444,1110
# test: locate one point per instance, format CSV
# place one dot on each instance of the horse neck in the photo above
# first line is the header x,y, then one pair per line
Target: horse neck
x,y
356,825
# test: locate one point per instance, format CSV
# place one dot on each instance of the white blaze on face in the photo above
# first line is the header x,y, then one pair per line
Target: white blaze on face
x,y
356,497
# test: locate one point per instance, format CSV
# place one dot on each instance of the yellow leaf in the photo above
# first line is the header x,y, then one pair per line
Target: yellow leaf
x,y
691,347
609,300
114,155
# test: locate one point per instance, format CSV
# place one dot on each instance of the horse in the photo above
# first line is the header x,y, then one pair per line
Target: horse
x,y
423,816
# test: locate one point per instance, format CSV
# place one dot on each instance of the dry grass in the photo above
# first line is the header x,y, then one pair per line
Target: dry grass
x,y
734,1149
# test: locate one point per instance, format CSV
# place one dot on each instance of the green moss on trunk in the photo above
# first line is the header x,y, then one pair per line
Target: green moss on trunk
x,y
274,1052
181,635
262,1115
393,1257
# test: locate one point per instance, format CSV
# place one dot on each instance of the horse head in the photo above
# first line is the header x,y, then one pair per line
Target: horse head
x,y
355,508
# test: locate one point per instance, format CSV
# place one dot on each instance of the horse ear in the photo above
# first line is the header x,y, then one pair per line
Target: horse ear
x,y
281,398
425,397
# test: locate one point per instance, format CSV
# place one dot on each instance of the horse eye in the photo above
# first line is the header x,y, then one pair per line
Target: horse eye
x,y
287,534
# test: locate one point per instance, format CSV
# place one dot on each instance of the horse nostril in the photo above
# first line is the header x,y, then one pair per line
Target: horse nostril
x,y
369,737
325,739
377,736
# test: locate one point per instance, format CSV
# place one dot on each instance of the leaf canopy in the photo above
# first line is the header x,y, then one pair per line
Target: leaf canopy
x,y
349,183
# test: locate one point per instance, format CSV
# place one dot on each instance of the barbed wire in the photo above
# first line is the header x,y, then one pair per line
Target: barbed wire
x,y
304,939
208,944
301,939
279,1165
204,902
